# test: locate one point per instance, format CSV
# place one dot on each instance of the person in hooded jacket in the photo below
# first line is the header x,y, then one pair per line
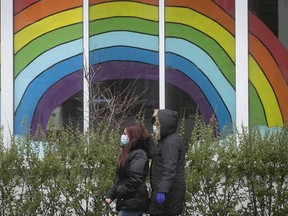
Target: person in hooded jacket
x,y
167,174
130,188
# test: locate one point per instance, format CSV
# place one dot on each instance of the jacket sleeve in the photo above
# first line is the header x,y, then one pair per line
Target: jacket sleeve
x,y
136,174
112,192
151,147
170,152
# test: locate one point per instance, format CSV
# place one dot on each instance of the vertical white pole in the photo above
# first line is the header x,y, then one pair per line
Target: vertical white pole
x,y
86,65
242,100
162,54
7,75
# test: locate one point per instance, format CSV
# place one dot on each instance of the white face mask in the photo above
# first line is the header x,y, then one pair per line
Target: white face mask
x,y
155,129
124,139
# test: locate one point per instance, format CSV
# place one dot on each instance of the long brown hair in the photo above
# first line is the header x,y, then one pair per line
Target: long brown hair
x,y
135,132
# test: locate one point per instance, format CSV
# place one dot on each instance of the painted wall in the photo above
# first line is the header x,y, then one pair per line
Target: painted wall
x,y
200,55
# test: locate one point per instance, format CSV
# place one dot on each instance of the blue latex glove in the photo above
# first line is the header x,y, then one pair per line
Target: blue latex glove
x,y
160,198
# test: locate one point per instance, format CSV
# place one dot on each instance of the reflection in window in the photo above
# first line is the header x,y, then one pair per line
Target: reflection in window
x,y
178,100
144,95
112,102
267,11
274,14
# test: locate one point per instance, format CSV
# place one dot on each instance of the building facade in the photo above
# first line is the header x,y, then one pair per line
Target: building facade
x,y
219,57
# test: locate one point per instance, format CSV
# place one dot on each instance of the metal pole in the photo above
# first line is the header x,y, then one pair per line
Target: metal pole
x,y
242,91
162,54
86,62
7,75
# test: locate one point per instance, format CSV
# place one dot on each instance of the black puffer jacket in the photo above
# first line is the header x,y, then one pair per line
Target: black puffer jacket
x,y
167,169
130,188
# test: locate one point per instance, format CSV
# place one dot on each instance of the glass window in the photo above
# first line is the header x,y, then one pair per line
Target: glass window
x,y
47,59
200,72
124,51
268,71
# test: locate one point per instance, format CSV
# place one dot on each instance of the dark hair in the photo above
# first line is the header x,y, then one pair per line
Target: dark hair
x,y
135,132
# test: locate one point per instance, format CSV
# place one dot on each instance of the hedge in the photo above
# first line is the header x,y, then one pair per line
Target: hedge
x,y
69,172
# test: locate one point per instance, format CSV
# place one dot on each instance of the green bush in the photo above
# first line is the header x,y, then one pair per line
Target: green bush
x,y
69,172
248,177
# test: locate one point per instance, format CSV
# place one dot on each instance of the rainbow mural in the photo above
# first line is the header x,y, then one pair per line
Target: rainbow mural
x,y
200,55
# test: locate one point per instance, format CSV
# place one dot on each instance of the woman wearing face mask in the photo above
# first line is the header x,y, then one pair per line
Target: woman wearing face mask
x,y
130,188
